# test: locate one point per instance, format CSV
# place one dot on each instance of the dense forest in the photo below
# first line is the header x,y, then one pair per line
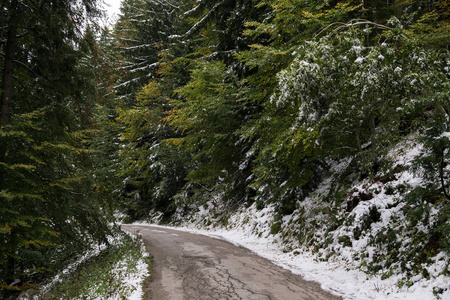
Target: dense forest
x,y
244,102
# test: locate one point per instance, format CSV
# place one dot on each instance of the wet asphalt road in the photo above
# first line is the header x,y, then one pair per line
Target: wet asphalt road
x,y
195,267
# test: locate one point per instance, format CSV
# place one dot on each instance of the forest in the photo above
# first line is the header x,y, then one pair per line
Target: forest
x,y
238,102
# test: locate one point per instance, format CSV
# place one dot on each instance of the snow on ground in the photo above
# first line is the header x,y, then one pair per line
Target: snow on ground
x,y
133,280
127,275
333,276
95,251
341,274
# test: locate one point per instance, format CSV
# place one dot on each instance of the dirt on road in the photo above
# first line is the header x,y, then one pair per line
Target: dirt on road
x,y
188,266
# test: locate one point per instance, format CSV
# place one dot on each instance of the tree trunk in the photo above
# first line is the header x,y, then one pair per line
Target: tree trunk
x,y
442,111
8,73
442,166
7,84
358,141
372,130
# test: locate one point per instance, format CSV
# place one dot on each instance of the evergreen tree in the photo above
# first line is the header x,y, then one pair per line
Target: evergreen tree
x,y
153,171
47,204
150,170
263,94
209,114
143,28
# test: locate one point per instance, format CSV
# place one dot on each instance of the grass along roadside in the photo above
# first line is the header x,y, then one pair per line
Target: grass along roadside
x,y
114,272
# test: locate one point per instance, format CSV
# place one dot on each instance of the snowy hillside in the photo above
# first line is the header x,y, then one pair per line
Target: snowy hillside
x,y
376,242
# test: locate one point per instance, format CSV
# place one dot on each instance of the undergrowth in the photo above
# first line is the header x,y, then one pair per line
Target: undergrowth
x,y
390,224
114,273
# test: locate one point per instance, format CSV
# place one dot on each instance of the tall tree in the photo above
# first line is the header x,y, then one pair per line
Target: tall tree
x,y
229,69
8,70
143,28
47,203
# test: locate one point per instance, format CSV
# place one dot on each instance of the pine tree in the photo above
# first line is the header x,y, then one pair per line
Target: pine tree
x,y
150,170
250,90
143,28
153,171
47,204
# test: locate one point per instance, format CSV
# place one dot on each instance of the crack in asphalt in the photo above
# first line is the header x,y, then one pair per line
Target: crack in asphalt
x,y
188,266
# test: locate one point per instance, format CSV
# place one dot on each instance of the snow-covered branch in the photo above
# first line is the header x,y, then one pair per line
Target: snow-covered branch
x,y
203,20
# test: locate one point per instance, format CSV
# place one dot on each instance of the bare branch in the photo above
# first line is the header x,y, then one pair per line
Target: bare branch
x,y
351,24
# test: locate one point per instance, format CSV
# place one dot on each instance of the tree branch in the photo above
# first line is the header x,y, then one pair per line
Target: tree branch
x,y
352,23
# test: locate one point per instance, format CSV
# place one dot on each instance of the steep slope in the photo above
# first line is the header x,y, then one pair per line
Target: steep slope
x,y
381,225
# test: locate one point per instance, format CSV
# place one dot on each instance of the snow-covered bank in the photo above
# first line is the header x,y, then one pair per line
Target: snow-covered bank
x,y
375,237
132,278
382,234
333,276
114,271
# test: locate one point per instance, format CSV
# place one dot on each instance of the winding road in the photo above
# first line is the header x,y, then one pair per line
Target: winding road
x,y
195,267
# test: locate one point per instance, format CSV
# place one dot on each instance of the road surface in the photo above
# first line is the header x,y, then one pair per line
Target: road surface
x,y
188,266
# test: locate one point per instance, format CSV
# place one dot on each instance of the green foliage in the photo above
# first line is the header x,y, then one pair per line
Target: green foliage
x,y
152,169
43,209
208,115
48,207
435,157
443,227
292,22
264,109
306,120
345,240
255,100
145,172
141,33
105,275
208,118
431,26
